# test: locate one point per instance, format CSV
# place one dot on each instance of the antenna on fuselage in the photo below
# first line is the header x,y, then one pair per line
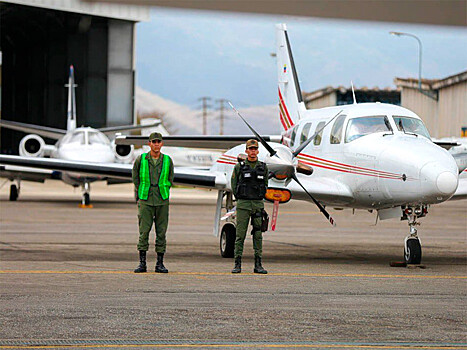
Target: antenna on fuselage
x,y
353,93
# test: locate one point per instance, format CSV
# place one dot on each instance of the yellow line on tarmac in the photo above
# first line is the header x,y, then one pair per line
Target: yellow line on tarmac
x,y
311,345
282,274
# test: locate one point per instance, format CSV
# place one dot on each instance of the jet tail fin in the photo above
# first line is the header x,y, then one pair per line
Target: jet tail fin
x,y
71,109
290,95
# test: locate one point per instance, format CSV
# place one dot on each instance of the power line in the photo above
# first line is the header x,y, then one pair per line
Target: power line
x,y
221,116
205,100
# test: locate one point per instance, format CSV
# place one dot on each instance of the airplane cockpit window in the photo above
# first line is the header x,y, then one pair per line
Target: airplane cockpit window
x,y
411,125
358,127
317,140
305,131
77,137
97,137
336,131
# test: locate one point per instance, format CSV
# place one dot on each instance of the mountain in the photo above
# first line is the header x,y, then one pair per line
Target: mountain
x,y
182,120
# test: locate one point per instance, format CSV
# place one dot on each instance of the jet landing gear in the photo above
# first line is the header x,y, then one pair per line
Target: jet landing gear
x,y
412,246
86,199
14,191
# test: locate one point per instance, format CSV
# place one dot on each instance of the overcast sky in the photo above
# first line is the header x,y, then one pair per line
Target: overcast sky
x,y
184,54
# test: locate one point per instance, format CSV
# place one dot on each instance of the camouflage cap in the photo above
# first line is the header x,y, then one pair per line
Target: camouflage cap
x,y
155,136
251,143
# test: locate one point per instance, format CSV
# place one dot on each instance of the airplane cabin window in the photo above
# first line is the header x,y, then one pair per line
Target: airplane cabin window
x,y
411,125
292,138
336,131
317,140
305,132
358,127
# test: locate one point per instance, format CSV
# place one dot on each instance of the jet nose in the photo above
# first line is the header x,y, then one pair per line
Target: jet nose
x,y
437,181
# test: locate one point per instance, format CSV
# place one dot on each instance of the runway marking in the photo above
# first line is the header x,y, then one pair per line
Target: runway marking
x,y
282,274
48,344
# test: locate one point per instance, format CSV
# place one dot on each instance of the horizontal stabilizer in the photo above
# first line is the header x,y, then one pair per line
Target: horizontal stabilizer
x,y
211,142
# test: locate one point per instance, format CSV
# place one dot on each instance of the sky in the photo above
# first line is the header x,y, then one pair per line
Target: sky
x,y
182,55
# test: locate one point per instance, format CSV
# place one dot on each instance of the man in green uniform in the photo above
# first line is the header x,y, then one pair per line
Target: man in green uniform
x,y
153,175
249,183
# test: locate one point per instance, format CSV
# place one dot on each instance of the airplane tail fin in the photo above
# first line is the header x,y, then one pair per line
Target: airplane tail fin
x,y
290,96
71,109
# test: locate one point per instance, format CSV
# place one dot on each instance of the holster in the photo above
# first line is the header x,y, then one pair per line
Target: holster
x,y
264,221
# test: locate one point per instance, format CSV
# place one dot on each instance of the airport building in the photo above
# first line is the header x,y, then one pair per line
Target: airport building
x,y
40,39
442,103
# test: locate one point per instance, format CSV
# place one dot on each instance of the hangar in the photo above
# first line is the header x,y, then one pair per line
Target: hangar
x,y
40,39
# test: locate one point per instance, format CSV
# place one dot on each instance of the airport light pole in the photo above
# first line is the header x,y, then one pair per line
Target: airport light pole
x,y
426,93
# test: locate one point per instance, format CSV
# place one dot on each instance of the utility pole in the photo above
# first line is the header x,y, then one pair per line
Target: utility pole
x,y
205,100
221,116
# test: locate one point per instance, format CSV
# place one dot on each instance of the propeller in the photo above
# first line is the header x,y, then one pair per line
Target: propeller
x,y
287,164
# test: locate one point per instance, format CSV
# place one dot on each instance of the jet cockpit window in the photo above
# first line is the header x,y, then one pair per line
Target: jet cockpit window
x,y
358,127
305,131
317,140
411,125
336,131
97,138
77,137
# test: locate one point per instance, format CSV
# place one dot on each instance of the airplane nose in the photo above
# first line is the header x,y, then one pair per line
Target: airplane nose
x,y
437,180
446,182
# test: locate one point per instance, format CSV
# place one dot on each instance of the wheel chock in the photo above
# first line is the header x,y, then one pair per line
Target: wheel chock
x,y
85,206
398,264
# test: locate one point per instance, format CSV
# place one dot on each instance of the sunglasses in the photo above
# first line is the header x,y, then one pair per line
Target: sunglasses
x,y
156,141
253,148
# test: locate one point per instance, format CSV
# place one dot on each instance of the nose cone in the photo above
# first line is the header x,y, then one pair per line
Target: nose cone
x,y
446,183
438,182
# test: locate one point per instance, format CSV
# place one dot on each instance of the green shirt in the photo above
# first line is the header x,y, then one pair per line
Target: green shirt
x,y
246,203
155,169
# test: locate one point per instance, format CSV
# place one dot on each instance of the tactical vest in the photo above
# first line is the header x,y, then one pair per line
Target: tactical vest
x,y
145,181
250,183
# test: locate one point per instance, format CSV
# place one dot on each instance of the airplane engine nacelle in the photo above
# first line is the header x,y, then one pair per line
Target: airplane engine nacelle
x,y
123,153
32,146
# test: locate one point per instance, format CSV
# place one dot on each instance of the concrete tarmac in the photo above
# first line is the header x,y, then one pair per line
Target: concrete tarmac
x,y
67,282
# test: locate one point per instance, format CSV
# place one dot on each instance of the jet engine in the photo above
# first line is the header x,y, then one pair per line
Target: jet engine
x,y
123,153
32,146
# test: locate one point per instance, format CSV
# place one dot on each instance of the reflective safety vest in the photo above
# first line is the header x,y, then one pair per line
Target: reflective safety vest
x,y
145,181
250,183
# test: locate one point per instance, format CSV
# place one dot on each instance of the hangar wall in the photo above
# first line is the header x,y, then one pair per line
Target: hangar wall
x,y
39,44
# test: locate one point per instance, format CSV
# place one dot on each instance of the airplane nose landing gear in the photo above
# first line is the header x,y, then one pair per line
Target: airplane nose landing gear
x,y
86,199
412,245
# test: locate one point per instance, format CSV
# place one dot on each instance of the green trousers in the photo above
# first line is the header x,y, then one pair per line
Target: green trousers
x,y
243,219
147,214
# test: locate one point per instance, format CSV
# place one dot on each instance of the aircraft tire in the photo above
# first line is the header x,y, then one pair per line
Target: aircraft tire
x,y
13,192
87,199
414,252
227,241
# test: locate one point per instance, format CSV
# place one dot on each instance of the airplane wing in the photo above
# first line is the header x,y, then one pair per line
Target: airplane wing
x,y
123,128
28,174
45,131
183,176
202,141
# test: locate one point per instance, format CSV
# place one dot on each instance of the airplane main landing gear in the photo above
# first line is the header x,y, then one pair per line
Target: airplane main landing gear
x,y
412,245
14,191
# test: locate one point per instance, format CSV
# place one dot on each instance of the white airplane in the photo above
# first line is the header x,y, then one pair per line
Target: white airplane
x,y
73,144
370,156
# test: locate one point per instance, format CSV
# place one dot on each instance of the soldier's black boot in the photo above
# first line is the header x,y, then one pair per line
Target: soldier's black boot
x,y
258,267
160,268
142,262
238,265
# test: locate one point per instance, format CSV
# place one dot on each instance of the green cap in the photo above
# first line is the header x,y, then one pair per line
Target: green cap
x,y
155,136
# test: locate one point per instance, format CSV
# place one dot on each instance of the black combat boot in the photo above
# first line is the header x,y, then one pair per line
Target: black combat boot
x,y
238,265
160,264
258,267
142,262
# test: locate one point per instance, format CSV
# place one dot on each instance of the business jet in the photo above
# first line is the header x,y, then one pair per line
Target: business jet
x,y
370,156
73,144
